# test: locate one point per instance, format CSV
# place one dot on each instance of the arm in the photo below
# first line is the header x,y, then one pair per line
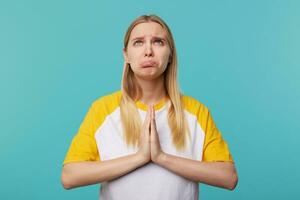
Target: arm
x,y
91,172
220,174
83,173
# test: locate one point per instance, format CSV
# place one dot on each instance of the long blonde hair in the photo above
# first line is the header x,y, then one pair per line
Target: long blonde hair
x,y
131,92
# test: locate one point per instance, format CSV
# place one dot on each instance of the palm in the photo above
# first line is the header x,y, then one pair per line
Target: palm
x,y
154,139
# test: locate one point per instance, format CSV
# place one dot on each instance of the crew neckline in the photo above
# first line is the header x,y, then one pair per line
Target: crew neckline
x,y
157,106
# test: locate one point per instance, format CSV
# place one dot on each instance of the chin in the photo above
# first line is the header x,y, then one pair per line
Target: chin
x,y
147,76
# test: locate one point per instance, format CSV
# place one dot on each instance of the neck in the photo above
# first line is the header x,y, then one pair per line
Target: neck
x,y
153,90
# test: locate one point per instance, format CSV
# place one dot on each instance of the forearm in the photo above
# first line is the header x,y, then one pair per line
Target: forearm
x,y
91,172
220,174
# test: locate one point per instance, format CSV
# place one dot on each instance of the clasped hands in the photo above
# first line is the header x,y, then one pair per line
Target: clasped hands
x,y
149,147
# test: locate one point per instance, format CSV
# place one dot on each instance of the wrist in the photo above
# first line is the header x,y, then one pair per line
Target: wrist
x,y
161,158
141,158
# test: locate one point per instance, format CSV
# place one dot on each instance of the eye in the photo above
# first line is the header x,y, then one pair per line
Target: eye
x,y
159,42
137,43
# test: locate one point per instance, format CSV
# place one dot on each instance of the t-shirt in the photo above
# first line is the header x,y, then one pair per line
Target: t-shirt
x,y
100,138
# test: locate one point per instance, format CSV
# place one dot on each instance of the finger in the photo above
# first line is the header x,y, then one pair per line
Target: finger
x,y
153,113
148,114
148,122
150,110
153,118
152,129
153,125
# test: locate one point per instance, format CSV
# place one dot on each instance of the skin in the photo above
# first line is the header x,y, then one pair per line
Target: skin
x,y
148,47
151,80
147,42
220,174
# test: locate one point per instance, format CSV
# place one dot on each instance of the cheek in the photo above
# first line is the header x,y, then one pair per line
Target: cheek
x,y
165,57
133,58
133,55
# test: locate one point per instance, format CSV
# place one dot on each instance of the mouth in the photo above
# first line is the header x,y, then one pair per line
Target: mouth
x,y
147,64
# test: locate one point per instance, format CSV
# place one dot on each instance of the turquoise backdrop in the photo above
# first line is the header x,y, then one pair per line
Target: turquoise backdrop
x,y
239,58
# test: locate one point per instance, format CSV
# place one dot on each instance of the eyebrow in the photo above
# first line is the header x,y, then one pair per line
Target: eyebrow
x,y
154,37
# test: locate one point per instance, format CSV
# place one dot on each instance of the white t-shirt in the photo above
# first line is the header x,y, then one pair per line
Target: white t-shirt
x,y
100,138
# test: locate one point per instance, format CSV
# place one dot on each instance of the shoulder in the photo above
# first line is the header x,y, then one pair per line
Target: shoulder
x,y
190,102
107,102
193,105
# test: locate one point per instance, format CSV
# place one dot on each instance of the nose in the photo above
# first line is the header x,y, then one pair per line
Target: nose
x,y
148,50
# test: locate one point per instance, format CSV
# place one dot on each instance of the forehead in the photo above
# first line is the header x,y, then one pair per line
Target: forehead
x,y
148,29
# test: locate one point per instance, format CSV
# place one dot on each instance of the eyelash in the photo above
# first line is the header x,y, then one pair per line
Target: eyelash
x,y
160,41
136,42
140,41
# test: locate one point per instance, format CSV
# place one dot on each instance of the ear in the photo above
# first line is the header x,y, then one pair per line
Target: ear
x,y
125,56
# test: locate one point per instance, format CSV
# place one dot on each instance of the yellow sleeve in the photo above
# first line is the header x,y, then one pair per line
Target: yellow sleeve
x,y
215,148
83,146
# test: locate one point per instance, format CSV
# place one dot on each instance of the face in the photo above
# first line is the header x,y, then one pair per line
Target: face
x,y
148,52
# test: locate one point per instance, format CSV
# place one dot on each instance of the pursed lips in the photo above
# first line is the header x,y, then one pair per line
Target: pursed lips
x,y
148,64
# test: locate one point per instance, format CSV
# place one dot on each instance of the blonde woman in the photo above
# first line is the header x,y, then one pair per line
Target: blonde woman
x,y
148,141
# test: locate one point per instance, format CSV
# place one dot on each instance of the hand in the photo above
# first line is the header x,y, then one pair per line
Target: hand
x,y
156,151
144,146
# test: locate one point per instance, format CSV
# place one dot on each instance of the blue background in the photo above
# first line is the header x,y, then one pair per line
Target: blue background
x,y
240,58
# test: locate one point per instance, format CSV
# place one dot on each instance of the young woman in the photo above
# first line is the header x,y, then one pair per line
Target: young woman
x,y
148,141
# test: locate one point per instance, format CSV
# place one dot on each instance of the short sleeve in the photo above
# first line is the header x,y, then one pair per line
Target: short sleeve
x,y
83,146
215,148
